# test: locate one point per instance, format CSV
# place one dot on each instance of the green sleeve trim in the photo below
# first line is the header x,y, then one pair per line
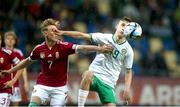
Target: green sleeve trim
x,y
129,68
91,40
33,104
114,39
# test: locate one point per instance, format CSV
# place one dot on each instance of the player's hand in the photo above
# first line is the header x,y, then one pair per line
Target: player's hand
x,y
126,98
9,84
106,48
1,76
59,34
4,73
57,23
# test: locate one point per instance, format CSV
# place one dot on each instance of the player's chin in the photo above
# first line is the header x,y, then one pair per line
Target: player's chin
x,y
120,33
54,39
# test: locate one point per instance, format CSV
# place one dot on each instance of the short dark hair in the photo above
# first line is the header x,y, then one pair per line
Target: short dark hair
x,y
127,19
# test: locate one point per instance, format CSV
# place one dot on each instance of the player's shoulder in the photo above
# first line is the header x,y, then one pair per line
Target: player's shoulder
x,y
60,42
7,51
108,34
101,34
18,51
128,47
40,46
99,37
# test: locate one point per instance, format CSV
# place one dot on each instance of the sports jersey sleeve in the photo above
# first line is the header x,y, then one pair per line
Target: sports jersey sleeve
x,y
14,58
128,62
68,47
98,37
34,54
20,54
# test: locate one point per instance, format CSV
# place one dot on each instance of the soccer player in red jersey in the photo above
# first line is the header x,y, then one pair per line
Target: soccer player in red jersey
x,y
10,42
53,55
7,57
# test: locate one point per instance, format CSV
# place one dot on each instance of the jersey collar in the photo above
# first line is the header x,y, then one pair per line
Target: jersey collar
x,y
51,47
113,37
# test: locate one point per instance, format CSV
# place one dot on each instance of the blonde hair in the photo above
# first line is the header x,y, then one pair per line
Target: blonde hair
x,y
47,23
10,33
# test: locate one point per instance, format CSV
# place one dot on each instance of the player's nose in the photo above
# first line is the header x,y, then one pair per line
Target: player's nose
x,y
123,29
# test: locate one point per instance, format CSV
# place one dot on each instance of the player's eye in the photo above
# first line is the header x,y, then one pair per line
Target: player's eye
x,y
53,30
123,24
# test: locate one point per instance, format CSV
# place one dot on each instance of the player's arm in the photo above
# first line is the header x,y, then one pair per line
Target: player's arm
x,y
10,83
19,66
25,78
75,34
17,76
128,80
128,61
93,48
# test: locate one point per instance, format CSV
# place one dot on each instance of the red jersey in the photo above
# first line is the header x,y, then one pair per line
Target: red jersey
x,y
54,63
18,53
7,57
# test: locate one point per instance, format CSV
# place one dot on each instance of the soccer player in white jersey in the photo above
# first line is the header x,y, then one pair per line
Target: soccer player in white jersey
x,y
104,71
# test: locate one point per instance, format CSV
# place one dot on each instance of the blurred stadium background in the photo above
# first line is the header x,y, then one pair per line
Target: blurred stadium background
x,y
157,55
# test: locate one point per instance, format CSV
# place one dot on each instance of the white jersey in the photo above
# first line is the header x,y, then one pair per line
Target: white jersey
x,y
107,66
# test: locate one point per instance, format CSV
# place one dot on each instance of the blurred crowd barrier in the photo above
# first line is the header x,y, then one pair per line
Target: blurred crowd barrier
x,y
144,91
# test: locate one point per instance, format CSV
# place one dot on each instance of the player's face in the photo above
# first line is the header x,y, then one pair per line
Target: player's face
x,y
10,41
120,27
51,33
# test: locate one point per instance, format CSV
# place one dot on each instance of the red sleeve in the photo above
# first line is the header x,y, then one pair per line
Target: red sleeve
x,y
34,54
21,57
14,58
19,54
68,47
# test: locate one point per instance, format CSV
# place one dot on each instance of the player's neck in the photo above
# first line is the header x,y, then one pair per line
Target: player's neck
x,y
120,39
9,47
50,44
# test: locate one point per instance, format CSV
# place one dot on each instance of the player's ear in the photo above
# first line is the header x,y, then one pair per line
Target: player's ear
x,y
116,26
44,33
